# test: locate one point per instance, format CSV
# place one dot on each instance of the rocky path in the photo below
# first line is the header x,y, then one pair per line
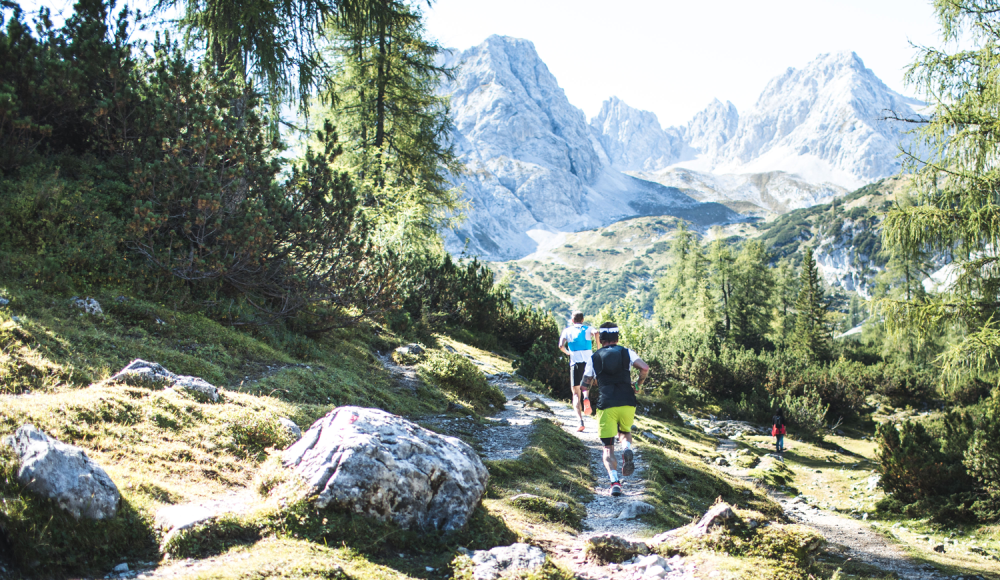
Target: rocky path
x,y
605,514
851,538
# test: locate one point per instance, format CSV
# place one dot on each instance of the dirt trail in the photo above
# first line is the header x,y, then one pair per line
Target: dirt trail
x,y
850,537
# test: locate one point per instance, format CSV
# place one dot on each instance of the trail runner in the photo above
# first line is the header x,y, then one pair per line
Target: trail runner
x,y
610,369
577,340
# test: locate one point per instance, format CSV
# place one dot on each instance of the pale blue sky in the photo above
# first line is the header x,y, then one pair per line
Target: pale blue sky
x,y
672,57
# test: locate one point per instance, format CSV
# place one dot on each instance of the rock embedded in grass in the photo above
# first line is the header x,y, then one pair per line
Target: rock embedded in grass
x,y
371,462
64,473
504,560
149,374
609,548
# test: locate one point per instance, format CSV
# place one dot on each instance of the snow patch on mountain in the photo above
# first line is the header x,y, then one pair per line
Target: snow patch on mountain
x,y
774,191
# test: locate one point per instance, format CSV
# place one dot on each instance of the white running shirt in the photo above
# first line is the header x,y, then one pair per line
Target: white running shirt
x,y
569,334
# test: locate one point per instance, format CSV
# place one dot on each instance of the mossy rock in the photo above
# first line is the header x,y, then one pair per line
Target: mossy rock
x,y
608,548
540,405
772,472
748,461
406,359
550,510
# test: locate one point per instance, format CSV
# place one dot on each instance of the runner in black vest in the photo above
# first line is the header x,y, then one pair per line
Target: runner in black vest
x,y
610,370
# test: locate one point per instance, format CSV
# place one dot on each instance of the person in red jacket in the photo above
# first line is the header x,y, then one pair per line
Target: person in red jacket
x,y
778,430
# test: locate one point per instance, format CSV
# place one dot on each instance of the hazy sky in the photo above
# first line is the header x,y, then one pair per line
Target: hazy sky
x,y
673,57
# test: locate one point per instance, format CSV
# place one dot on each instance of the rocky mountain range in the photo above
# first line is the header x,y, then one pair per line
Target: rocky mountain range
x,y
535,166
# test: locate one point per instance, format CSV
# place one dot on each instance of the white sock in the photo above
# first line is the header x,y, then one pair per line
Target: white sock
x,y
614,475
628,445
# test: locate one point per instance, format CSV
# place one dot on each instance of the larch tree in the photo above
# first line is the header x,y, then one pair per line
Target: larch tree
x,y
956,184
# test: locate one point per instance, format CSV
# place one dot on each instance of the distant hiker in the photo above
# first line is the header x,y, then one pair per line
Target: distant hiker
x,y
577,341
778,430
609,368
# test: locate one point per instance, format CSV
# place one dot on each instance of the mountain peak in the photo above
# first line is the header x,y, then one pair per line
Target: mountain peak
x,y
632,139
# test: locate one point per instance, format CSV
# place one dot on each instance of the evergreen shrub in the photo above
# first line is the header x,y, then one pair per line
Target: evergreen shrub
x,y
458,375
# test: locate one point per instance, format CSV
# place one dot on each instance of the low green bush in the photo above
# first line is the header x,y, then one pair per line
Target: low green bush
x,y
459,376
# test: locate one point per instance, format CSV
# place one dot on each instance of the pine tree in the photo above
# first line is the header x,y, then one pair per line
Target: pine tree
x,y
811,334
750,299
783,297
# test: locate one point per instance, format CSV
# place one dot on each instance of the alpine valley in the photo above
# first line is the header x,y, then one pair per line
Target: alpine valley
x,y
580,213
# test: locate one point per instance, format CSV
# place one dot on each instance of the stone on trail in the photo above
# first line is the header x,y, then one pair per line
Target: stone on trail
x,y
609,548
636,509
411,349
502,560
143,373
64,473
371,462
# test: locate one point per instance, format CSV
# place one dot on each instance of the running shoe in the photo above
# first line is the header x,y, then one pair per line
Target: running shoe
x,y
616,488
586,407
580,428
628,463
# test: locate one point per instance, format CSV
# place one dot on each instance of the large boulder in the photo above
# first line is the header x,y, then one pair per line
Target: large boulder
x,y
144,373
371,462
65,474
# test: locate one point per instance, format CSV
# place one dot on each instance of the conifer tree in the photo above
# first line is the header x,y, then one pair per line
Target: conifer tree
x,y
684,301
783,297
811,334
956,170
394,127
750,299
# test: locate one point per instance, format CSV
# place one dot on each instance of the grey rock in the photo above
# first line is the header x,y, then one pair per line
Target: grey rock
x,y
123,567
939,548
412,348
717,516
608,548
199,388
651,437
174,518
291,427
873,482
146,374
499,561
713,431
636,509
371,462
4,302
64,473
88,305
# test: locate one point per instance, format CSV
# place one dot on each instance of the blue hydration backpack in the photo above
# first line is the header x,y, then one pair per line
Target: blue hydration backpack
x,y
580,342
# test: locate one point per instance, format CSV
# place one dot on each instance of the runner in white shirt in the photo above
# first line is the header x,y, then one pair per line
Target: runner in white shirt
x,y
577,340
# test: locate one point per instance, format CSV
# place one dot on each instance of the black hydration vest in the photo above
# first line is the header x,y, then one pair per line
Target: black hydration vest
x,y
614,383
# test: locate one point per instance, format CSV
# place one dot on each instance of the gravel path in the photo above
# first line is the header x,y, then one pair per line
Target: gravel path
x,y
507,441
851,538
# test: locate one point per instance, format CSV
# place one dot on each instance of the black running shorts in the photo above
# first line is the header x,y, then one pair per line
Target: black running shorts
x,y
576,374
